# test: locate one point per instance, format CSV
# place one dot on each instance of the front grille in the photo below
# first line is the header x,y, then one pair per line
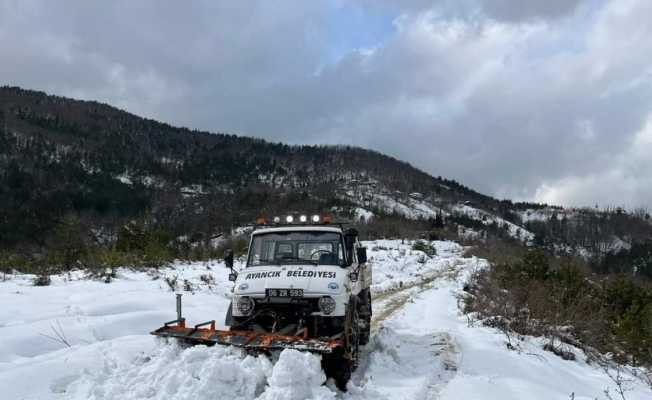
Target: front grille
x,y
294,305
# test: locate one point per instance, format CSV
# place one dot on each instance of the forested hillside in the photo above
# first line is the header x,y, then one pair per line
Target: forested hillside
x,y
60,155
78,175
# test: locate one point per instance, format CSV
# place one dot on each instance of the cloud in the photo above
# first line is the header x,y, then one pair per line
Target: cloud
x,y
150,56
501,10
625,178
508,10
544,101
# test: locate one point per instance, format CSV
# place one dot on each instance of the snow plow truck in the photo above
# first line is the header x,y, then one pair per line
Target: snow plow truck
x,y
305,286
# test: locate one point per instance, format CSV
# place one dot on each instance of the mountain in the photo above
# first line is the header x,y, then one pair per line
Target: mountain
x,y
62,157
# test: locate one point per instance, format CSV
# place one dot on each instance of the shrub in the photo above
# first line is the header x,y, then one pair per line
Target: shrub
x,y
67,246
208,279
497,251
10,262
422,245
172,282
560,300
42,280
156,255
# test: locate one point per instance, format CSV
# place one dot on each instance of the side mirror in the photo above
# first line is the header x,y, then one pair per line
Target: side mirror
x,y
362,255
349,237
349,242
228,258
233,277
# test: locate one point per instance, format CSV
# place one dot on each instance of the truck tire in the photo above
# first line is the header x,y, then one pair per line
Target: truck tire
x,y
337,367
365,316
342,363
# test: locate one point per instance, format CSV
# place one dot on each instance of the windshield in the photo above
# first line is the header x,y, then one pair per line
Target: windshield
x,y
317,248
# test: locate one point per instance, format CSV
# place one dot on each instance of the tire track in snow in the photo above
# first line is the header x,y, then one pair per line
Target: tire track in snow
x,y
426,362
393,300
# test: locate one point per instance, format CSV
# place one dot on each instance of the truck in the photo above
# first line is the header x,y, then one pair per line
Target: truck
x,y
305,286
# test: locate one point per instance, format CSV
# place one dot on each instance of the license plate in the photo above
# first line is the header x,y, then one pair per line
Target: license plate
x,y
284,292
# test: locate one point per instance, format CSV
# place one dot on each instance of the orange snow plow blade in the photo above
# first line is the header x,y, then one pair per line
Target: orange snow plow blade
x,y
246,339
205,333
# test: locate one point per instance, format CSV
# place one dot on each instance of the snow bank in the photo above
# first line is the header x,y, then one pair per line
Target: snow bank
x,y
297,376
171,372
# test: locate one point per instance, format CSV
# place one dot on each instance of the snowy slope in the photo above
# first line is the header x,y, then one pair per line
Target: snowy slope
x,y
487,218
422,348
414,206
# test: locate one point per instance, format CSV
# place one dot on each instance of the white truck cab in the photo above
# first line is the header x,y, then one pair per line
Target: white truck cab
x,y
299,276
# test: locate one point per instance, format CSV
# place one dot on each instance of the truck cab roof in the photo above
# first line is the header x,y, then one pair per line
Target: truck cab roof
x,y
298,228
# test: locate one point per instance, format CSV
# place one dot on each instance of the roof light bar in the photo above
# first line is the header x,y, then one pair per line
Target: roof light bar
x,y
295,219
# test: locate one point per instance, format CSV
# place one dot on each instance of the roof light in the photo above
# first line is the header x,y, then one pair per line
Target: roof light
x,y
315,218
261,221
277,220
303,218
327,219
289,219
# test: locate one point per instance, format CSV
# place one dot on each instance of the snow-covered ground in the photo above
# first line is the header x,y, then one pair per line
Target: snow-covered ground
x,y
422,347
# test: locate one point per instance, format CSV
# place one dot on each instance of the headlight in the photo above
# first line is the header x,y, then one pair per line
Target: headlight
x,y
326,305
245,305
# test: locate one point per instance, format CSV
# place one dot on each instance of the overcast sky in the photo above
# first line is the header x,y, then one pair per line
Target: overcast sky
x,y
525,99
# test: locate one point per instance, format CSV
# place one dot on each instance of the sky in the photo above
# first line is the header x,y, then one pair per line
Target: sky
x,y
547,101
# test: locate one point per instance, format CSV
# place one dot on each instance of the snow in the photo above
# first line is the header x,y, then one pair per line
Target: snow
x,y
241,230
297,376
415,206
617,244
152,181
170,372
546,214
396,265
408,207
124,178
374,195
362,215
421,346
469,233
534,215
193,190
